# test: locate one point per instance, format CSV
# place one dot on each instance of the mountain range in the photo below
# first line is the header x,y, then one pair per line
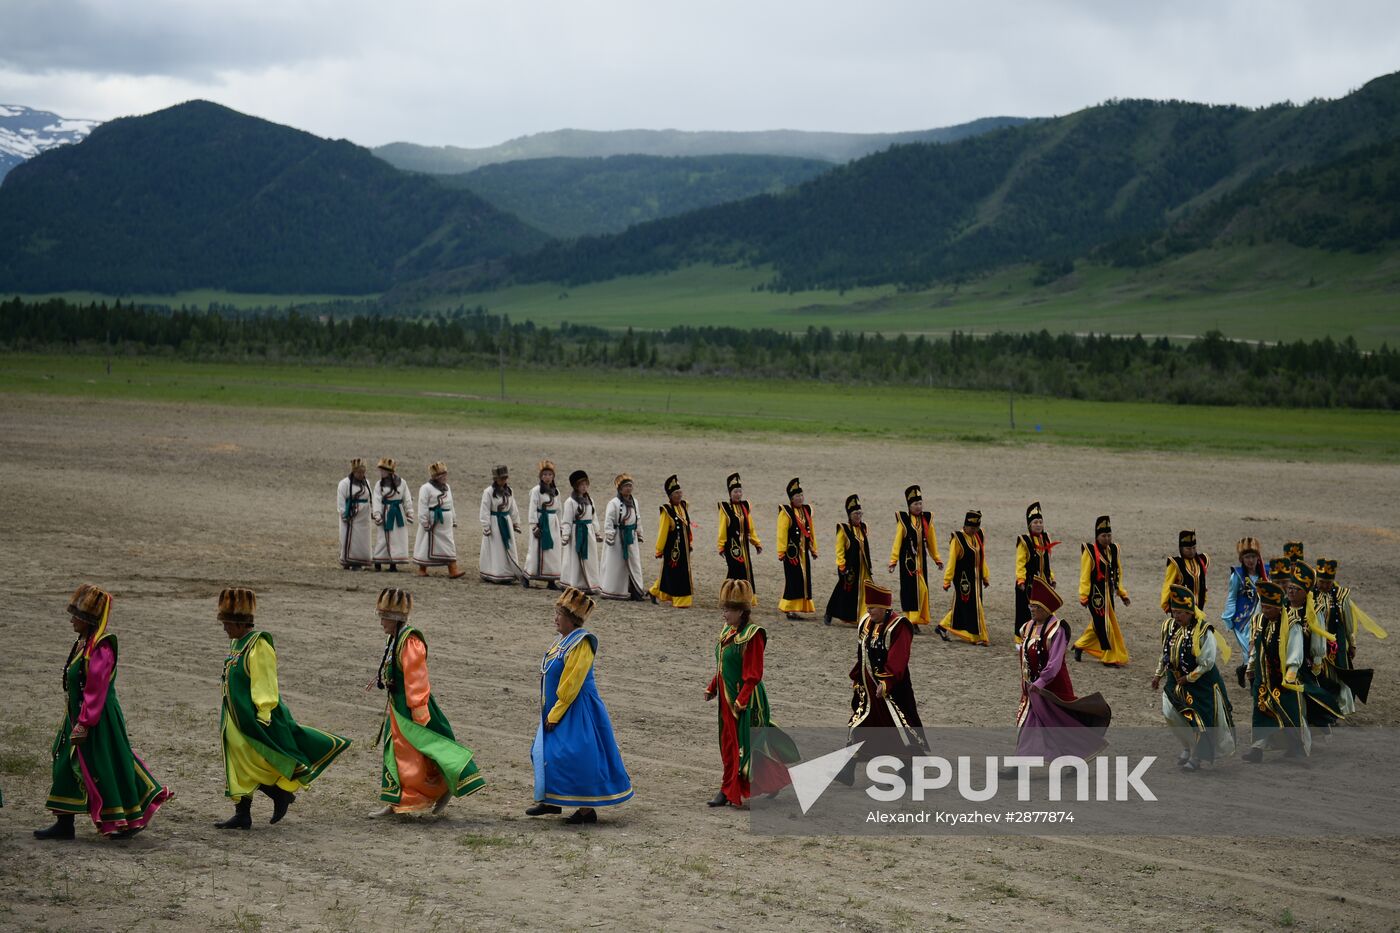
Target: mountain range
x,y
25,132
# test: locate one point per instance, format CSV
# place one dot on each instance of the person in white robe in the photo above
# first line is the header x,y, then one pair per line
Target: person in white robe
x,y
543,561
580,537
436,544
500,523
622,539
391,511
352,508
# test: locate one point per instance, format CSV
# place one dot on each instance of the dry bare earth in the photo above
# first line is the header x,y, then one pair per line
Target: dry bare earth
x,y
165,504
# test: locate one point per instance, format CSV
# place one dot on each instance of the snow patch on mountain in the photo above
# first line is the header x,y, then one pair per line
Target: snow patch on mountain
x,y
25,132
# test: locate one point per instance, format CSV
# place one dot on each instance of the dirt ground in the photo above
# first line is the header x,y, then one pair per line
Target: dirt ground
x,y
166,504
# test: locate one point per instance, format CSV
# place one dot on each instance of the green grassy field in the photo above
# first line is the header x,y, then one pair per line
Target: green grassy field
x,y
541,399
201,298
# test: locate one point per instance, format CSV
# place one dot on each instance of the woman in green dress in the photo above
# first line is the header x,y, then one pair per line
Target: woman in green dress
x,y
94,769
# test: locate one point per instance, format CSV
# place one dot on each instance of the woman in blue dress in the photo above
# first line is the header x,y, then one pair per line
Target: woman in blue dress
x,y
576,759
1243,598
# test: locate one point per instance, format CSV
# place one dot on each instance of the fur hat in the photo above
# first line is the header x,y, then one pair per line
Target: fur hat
x,y
736,594
794,487
1181,597
437,468
237,604
1033,512
500,471
622,479
576,603
973,518
876,595
913,494
733,482
356,464
1326,569
1270,593
576,477
394,604
389,463
672,484
546,464
1102,526
1246,545
852,504
88,603
1043,595
1185,539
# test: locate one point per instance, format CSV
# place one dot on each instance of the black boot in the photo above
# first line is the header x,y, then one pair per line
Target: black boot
x,y
62,828
942,634
281,800
242,815
1079,654
1239,675
826,619
393,568
582,815
718,800
543,809
376,568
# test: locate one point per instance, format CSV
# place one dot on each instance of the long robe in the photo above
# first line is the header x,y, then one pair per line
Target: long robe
x,y
1051,720
543,560
735,534
847,601
262,742
575,755
352,512
966,574
751,766
499,561
1336,612
1241,602
102,776
888,725
1188,573
622,552
1321,705
915,541
799,545
581,546
1032,560
675,584
1275,656
391,510
422,758
1100,587
1194,700
436,544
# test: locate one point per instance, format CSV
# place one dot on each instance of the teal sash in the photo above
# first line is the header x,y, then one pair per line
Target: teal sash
x,y
350,508
546,536
629,536
393,515
438,510
503,524
581,537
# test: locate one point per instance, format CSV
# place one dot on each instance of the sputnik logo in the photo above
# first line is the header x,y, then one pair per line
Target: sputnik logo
x,y
810,779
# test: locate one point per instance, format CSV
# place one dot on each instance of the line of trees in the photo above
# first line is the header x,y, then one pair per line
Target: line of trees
x,y
1211,370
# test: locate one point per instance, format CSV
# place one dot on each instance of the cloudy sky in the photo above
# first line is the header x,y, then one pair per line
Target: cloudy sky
x,y
471,73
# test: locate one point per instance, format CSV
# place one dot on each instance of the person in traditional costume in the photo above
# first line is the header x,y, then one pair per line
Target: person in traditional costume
x,y
391,510
499,561
915,541
1051,721
622,539
847,601
1032,560
1194,701
1321,705
1100,586
753,764
967,569
575,756
1276,691
736,533
1187,569
543,561
265,748
798,541
675,583
352,509
1340,615
94,769
580,538
884,712
424,766
436,544
1242,601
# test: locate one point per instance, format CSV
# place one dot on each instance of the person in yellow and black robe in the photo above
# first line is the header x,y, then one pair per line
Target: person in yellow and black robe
x,y
1032,560
966,575
1100,585
1275,657
798,541
676,582
1321,705
1187,569
847,602
736,533
1194,701
1341,616
915,541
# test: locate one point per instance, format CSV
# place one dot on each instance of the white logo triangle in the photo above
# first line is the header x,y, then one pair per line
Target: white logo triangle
x,y
810,779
